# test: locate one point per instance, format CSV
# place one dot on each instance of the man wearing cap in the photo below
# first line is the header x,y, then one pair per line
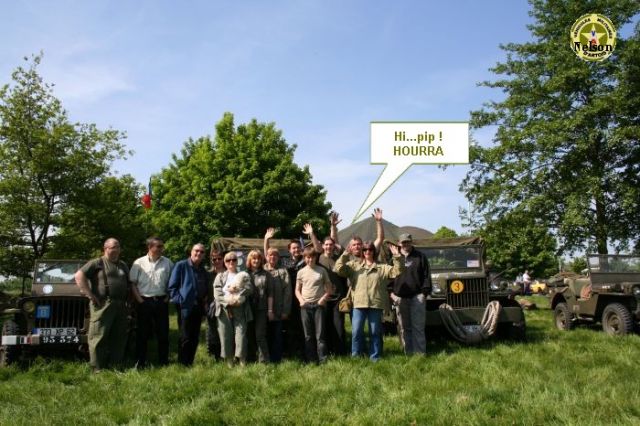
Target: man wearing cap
x,y
408,293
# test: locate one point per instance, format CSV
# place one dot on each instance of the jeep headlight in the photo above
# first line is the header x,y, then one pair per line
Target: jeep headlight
x,y
435,288
29,307
494,286
636,291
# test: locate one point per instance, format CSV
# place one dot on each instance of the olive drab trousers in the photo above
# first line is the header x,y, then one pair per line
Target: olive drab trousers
x,y
107,333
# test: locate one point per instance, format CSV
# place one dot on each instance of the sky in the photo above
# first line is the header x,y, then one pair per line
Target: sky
x,y
166,71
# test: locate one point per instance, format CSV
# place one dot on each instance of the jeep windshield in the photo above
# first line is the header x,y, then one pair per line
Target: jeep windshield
x,y
56,271
615,264
448,258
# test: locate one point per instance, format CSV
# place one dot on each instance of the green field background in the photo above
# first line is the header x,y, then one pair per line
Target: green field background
x,y
578,377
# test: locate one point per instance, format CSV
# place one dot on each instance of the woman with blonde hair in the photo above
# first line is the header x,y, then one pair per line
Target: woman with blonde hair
x,y
262,302
233,309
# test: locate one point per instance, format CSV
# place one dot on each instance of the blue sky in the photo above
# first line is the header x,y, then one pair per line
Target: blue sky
x,y
164,71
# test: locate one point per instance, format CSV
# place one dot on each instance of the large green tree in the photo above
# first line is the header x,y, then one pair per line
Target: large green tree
x,y
109,208
46,163
567,140
237,184
517,241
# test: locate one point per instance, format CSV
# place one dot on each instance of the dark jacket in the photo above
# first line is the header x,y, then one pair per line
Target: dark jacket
x,y
183,287
416,277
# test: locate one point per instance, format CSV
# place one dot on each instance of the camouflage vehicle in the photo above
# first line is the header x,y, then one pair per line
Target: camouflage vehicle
x,y
54,316
467,300
609,294
242,247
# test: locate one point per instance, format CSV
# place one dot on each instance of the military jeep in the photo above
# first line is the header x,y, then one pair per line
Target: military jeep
x,y
467,300
609,293
55,316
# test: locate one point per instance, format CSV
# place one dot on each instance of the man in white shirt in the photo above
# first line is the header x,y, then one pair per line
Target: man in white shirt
x,y
526,279
150,277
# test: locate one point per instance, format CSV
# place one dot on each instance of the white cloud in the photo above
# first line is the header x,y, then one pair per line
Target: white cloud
x,y
89,82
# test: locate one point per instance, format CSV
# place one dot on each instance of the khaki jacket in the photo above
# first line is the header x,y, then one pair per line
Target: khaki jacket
x,y
368,283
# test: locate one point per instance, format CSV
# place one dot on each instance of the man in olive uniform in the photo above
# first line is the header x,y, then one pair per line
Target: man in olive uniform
x,y
105,281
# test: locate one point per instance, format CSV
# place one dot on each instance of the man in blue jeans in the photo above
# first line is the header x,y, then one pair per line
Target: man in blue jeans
x,y
409,293
313,289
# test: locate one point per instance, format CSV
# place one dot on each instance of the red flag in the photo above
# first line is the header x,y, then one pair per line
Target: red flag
x,y
146,198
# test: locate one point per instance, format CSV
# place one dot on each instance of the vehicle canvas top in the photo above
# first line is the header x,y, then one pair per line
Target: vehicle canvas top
x,y
448,242
250,243
242,247
53,277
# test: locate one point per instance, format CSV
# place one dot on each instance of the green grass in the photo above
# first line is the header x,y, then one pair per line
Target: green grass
x,y
578,377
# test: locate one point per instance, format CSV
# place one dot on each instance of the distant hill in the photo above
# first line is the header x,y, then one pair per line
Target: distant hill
x,y
416,233
366,229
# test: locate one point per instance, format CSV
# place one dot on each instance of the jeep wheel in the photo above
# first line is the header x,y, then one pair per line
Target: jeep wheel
x,y
517,331
9,353
563,317
616,320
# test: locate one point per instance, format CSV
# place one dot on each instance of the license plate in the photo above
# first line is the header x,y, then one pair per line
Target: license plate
x,y
57,332
59,339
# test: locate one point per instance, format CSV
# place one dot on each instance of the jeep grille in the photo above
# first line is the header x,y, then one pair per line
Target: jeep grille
x,y
67,312
474,295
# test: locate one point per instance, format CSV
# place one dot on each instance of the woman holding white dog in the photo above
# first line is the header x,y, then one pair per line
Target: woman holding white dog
x,y
232,289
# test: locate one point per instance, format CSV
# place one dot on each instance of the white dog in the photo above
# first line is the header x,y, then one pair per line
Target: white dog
x,y
233,289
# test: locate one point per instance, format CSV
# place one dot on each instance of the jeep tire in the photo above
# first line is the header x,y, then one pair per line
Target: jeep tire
x,y
9,353
517,331
616,320
563,317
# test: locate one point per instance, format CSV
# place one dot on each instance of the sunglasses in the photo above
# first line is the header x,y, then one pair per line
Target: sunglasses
x,y
232,259
216,258
368,249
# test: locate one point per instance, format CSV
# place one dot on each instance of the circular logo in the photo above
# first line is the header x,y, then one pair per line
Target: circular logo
x,y
593,37
47,289
457,286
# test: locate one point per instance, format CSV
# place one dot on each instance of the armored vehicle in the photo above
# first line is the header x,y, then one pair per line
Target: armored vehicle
x,y
609,293
54,316
467,299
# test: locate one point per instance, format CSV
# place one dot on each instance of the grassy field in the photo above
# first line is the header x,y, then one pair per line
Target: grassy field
x,y
579,377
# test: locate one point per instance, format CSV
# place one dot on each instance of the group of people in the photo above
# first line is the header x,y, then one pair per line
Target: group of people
x,y
278,307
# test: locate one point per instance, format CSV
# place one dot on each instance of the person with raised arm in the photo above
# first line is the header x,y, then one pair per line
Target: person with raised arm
x,y
367,279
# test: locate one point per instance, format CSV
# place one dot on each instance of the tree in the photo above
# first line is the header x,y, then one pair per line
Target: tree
x,y
110,208
566,145
516,242
46,163
444,232
578,265
239,184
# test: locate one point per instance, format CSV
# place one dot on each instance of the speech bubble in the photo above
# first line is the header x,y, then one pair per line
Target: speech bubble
x,y
401,144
